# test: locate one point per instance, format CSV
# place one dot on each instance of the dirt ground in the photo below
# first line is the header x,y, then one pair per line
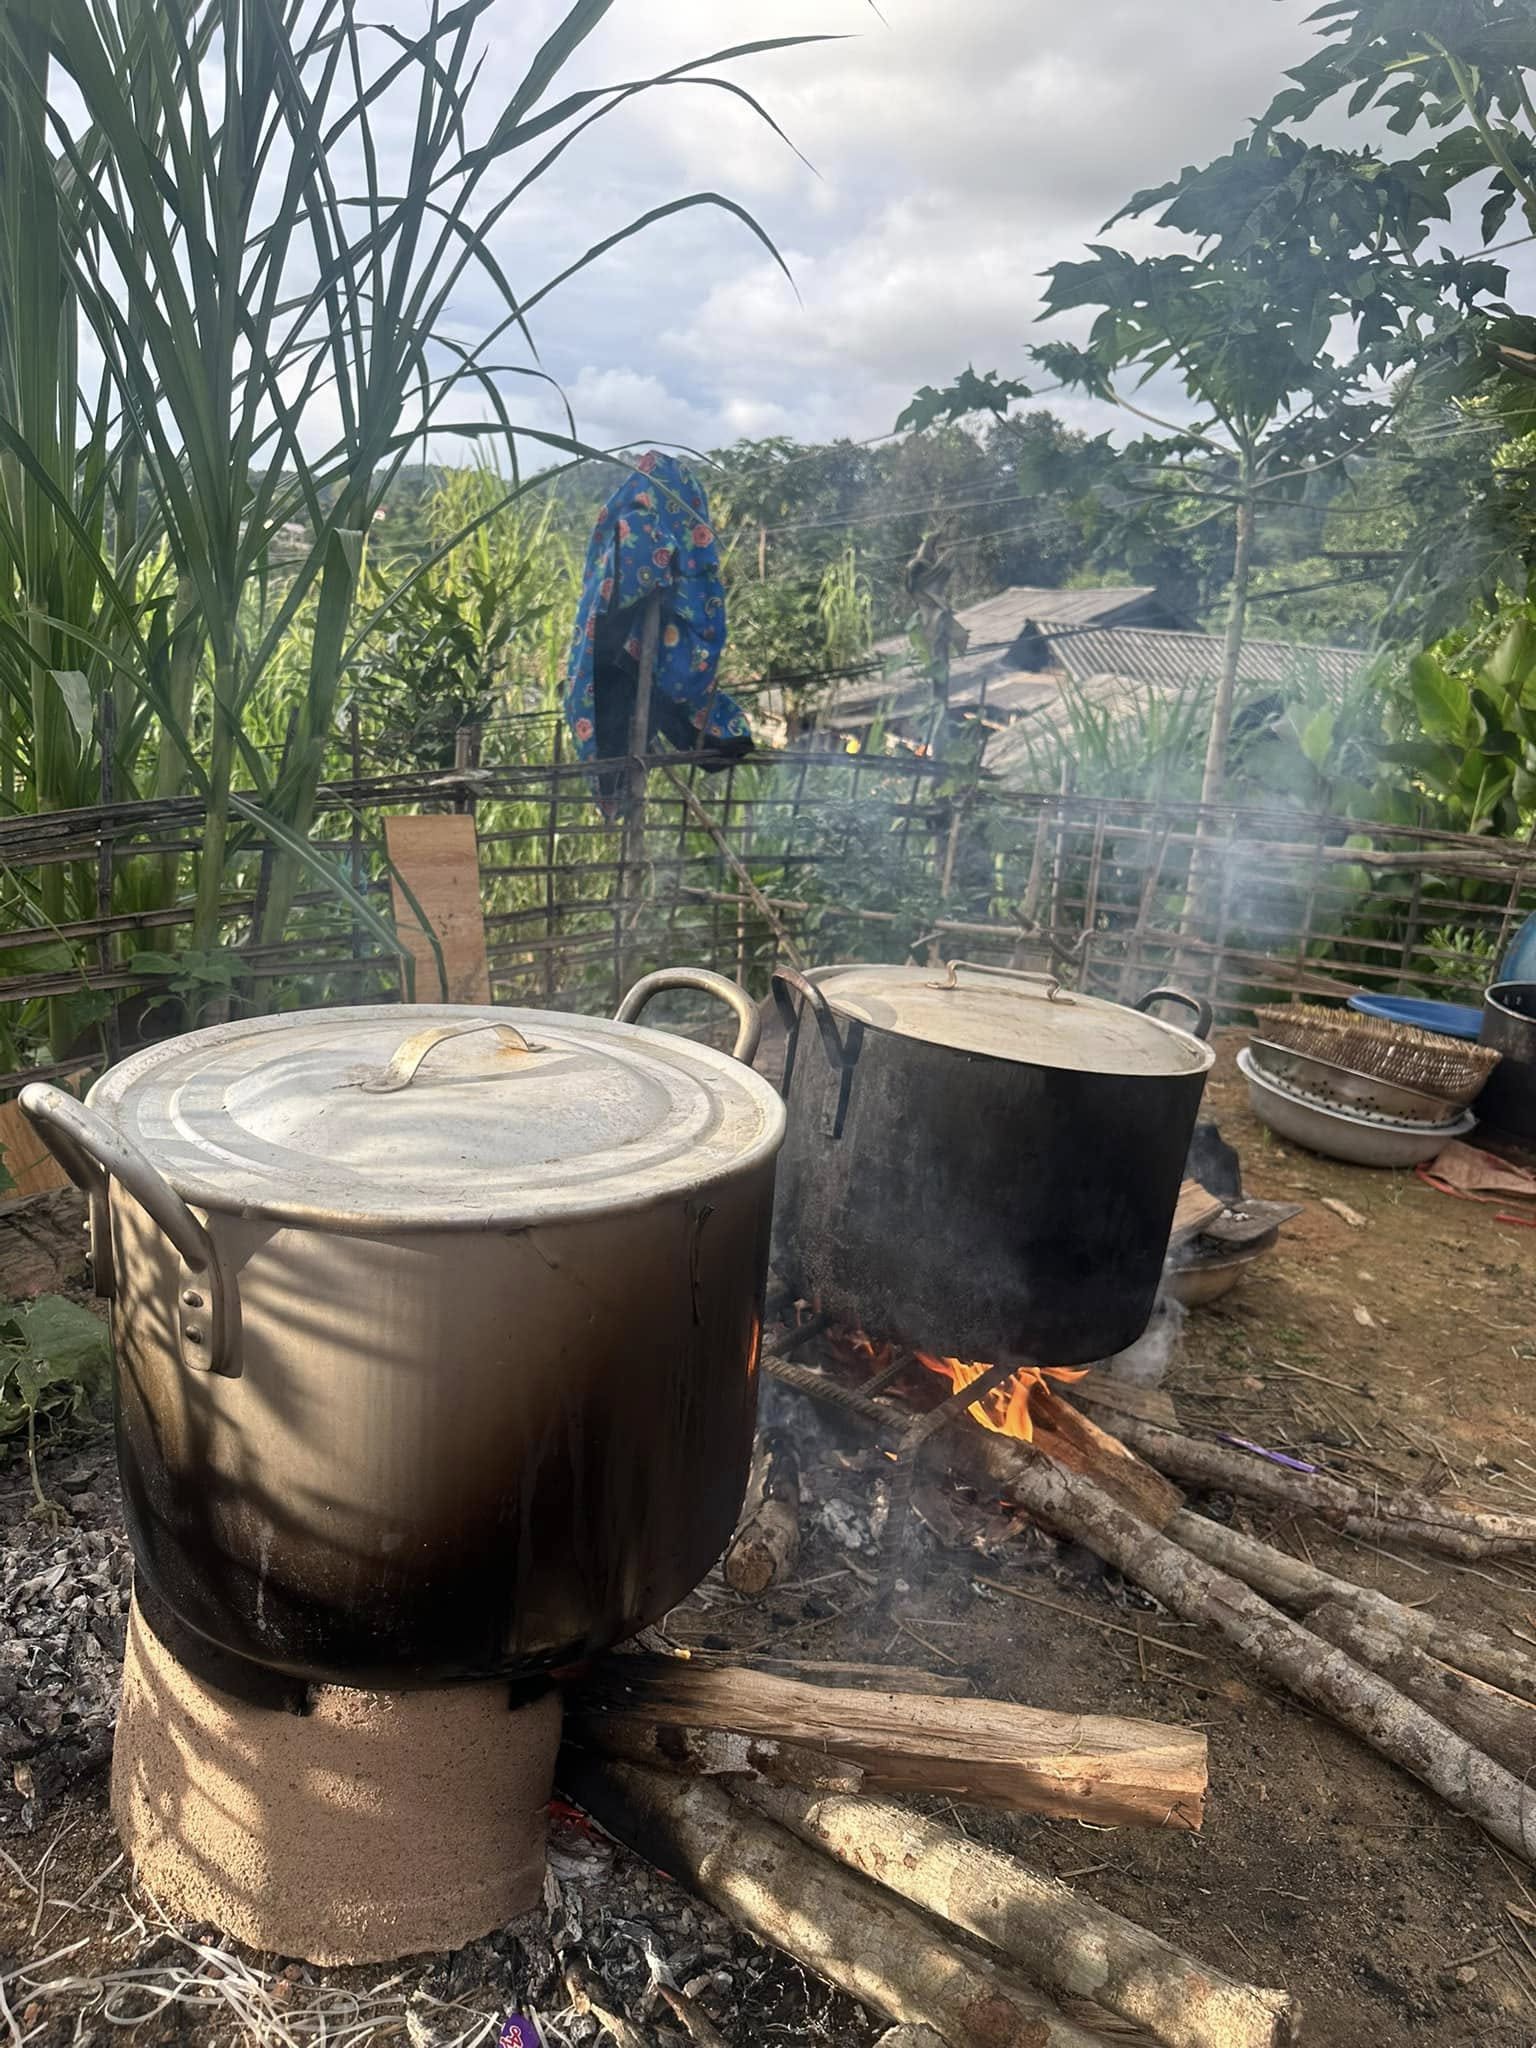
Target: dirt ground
x,y
1402,1348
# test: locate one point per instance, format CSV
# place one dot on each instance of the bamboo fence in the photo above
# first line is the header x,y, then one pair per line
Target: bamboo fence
x,y
811,854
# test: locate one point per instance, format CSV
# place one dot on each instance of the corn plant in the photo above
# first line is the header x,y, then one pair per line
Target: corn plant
x,y
251,251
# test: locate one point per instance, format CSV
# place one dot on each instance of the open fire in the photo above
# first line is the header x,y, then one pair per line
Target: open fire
x,y
1007,1408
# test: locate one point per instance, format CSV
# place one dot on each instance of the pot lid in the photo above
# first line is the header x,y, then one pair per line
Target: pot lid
x,y
438,1116
1013,1016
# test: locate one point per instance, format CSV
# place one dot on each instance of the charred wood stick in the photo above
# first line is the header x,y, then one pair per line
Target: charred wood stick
x,y
713,1753
1073,1947
914,1441
588,1994
1070,1438
1302,1588
848,1931
1407,1517
767,1541
1098,1767
1358,1698
698,2026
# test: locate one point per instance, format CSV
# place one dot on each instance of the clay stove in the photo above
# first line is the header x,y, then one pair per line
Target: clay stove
x,y
340,1825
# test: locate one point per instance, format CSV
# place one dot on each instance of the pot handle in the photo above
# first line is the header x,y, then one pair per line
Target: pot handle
x,y
749,1025
1053,989
785,979
94,1155
1201,1008
408,1056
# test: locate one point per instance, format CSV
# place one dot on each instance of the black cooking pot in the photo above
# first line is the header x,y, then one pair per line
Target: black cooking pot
x,y
987,1168
1509,1024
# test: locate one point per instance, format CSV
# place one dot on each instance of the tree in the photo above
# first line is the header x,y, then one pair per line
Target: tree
x,y
1459,75
1275,327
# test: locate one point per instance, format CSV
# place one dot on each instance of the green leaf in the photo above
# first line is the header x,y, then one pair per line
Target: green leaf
x,y
76,692
1443,701
61,1341
1316,737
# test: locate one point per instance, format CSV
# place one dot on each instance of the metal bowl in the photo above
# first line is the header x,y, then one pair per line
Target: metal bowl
x,y
1335,1087
1203,1281
1342,1134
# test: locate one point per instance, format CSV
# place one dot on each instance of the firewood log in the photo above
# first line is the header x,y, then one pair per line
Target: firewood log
x,y
1404,1517
1350,1693
854,1934
1302,1588
1065,1942
712,1753
766,1545
1098,1767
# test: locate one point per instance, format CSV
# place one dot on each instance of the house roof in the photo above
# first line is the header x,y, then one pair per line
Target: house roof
x,y
1013,609
1152,655
995,626
1024,640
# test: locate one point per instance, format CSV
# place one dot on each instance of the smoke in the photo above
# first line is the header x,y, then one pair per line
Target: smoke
x,y
1147,1361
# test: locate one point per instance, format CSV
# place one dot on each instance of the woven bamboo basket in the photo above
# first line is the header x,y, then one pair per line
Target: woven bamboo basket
x,y
1441,1067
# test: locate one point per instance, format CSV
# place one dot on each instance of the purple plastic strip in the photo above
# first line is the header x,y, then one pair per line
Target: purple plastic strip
x,y
1244,1443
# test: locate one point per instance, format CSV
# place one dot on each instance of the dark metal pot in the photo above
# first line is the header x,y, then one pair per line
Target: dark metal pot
x,y
987,1168
436,1330
1508,1102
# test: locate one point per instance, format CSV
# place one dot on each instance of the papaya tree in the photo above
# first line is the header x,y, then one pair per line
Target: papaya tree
x,y
1275,328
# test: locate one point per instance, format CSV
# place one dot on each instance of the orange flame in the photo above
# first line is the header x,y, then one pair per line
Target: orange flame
x,y
1006,1408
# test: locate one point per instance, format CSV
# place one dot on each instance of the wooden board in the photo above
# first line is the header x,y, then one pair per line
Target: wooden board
x,y
439,859
1097,1767
32,1167
1196,1209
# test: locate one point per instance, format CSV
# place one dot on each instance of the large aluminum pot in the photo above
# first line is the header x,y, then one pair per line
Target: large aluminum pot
x,y
436,1328
979,1163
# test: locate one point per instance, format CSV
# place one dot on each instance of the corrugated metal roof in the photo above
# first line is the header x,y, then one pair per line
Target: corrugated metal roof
x,y
1077,639
1152,655
1025,602
995,626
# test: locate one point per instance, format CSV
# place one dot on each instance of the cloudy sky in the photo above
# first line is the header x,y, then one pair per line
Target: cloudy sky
x,y
958,148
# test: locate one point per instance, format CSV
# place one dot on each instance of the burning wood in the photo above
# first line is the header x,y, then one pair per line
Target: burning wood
x,y
1007,1408
767,1540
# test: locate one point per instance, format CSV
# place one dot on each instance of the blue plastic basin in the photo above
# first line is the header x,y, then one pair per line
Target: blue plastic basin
x,y
1451,1020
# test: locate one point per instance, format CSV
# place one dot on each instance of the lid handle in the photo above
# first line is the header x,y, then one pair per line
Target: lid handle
x,y
1053,989
93,1154
408,1056
749,1026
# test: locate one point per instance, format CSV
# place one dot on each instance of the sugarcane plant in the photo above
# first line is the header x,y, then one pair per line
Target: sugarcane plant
x,y
261,216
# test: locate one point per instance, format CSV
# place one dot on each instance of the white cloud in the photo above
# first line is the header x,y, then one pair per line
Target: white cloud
x,y
959,150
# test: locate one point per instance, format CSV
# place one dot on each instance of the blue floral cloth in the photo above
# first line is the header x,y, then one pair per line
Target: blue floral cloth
x,y
654,534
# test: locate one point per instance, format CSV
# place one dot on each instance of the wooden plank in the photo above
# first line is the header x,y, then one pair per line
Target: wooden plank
x,y
438,858
1097,1767
32,1168
1196,1208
